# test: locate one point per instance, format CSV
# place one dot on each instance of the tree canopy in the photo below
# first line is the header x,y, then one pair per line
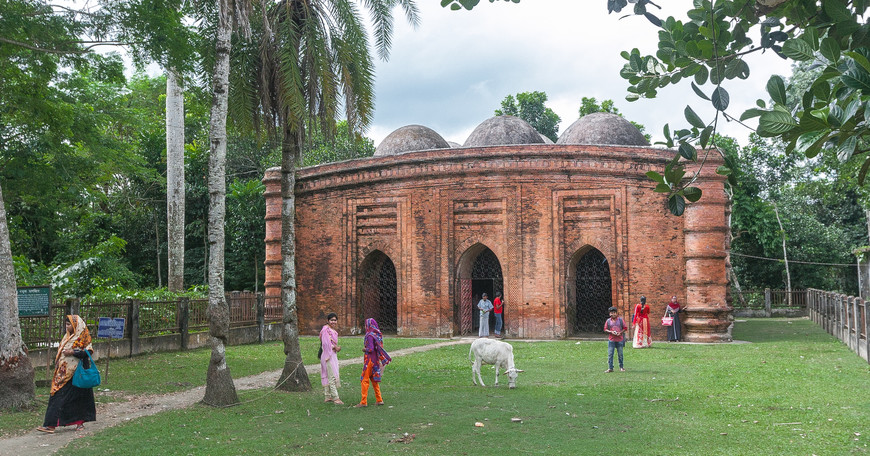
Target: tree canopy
x,y
530,107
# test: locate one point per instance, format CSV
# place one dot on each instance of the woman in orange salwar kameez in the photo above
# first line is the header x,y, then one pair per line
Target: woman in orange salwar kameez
x,y
640,321
375,358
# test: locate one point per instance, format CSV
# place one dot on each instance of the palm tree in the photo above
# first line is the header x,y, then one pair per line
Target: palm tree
x,y
312,59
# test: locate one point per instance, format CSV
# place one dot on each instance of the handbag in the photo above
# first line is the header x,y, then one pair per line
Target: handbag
x,y
86,378
668,320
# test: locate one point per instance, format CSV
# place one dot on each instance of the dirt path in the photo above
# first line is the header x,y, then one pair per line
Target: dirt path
x,y
115,413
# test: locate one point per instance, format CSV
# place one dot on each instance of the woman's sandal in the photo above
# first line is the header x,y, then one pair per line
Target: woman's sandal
x,y
338,402
379,403
47,430
360,405
327,400
80,427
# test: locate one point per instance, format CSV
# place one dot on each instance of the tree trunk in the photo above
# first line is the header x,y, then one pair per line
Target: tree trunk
x,y
784,256
157,249
219,387
16,372
294,377
729,269
174,181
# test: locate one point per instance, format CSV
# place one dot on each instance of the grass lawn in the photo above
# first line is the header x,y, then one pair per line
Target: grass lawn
x,y
794,390
177,371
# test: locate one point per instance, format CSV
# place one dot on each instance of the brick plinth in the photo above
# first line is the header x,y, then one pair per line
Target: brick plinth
x,y
541,210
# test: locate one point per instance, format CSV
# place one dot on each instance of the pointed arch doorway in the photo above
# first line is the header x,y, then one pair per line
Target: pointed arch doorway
x,y
479,272
378,292
589,292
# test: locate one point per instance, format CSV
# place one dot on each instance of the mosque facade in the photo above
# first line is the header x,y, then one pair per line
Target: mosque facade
x,y
414,235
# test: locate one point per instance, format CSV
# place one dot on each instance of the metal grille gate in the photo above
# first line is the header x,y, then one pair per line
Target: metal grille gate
x,y
486,277
378,292
592,291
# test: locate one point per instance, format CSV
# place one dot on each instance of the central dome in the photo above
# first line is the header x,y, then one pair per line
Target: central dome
x,y
603,128
502,131
410,138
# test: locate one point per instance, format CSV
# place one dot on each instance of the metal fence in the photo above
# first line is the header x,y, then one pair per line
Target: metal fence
x,y
145,318
844,317
769,303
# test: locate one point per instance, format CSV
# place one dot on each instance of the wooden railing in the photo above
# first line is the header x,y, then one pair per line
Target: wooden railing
x,y
769,303
844,317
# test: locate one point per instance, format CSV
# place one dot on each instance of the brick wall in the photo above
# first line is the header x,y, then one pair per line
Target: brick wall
x,y
539,208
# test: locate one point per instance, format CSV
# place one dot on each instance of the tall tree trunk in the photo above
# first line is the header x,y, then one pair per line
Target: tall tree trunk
x,y
174,181
729,269
219,387
157,249
293,377
16,372
784,256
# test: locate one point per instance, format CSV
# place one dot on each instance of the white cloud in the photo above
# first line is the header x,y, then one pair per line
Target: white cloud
x,y
453,71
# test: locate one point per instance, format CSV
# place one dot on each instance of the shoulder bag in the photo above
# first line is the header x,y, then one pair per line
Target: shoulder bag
x,y
86,378
668,320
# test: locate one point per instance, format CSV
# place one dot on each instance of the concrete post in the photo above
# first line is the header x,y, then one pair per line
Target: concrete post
x,y
184,321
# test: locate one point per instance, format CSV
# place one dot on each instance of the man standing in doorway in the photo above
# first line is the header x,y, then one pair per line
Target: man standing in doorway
x,y
497,310
485,305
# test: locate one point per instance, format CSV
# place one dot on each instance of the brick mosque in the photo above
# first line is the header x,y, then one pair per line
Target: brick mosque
x,y
415,234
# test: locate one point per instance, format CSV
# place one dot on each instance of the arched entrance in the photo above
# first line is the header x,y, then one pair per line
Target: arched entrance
x,y
479,272
378,292
589,292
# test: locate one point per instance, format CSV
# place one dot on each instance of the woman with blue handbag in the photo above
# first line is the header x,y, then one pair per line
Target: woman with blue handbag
x,y
69,404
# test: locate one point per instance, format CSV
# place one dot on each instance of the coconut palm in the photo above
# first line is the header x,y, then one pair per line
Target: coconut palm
x,y
311,60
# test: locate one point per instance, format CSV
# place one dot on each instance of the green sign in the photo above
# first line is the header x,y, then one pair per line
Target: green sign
x,y
33,301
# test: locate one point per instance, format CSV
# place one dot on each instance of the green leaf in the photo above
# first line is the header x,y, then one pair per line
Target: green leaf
x,y
860,59
674,173
656,177
830,49
723,170
636,62
662,188
863,173
810,142
720,99
687,151
811,36
701,75
797,49
750,113
693,118
677,205
845,151
776,122
857,78
836,116
776,89
837,11
692,194
699,92
705,135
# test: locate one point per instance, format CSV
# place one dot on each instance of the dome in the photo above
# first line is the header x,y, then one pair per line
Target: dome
x,y
546,139
410,138
454,145
503,130
603,128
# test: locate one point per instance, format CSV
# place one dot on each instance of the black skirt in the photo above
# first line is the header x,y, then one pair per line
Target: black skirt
x,y
69,405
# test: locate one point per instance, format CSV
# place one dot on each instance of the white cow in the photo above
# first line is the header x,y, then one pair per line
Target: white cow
x,y
491,351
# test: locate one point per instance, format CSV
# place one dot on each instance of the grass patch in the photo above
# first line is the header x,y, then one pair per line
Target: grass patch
x,y
170,372
794,390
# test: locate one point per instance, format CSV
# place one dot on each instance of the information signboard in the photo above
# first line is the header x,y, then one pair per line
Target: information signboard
x,y
33,301
110,328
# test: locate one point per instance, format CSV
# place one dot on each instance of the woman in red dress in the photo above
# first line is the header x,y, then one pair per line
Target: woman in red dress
x,y
640,321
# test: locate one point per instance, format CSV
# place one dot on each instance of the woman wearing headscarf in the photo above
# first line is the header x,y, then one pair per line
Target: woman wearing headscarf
x,y
329,349
673,309
642,338
68,404
373,361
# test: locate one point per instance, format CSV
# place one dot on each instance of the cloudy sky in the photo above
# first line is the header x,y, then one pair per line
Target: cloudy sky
x,y
452,71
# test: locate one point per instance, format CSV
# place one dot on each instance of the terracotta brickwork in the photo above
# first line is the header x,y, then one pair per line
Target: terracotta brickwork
x,y
538,208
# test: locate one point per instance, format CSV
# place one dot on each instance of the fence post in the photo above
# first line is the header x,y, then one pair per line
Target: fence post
x,y
134,326
854,324
261,316
767,311
184,321
866,331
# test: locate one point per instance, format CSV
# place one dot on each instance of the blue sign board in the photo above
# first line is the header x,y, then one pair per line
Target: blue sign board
x,y
110,328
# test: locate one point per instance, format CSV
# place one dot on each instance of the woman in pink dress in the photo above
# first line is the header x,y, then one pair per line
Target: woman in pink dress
x,y
329,349
640,321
